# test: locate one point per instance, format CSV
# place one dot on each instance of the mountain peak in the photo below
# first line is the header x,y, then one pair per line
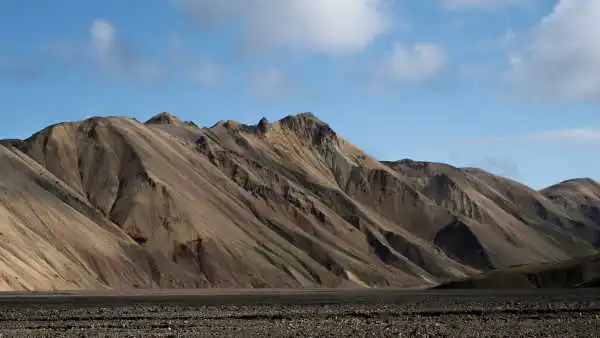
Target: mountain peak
x,y
575,181
227,124
301,120
306,116
582,180
164,118
308,126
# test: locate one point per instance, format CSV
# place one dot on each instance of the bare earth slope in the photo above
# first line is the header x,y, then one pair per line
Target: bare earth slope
x,y
114,203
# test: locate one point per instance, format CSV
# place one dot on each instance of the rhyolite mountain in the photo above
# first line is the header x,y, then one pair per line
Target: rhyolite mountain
x,y
110,202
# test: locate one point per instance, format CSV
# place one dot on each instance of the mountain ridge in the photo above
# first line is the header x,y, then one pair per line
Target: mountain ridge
x,y
288,203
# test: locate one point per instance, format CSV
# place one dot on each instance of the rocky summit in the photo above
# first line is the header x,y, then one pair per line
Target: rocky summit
x,y
112,203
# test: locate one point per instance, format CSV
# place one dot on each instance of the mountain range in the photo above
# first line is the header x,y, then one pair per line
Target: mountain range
x,y
113,203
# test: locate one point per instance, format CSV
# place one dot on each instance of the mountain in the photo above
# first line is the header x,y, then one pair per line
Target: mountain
x,y
110,202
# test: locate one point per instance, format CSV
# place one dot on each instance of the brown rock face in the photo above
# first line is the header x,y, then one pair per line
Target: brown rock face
x,y
113,203
263,125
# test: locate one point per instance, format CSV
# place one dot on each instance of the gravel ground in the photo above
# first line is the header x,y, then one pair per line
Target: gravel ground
x,y
423,314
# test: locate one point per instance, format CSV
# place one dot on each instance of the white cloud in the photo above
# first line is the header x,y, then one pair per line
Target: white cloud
x,y
414,63
326,26
583,136
562,59
103,43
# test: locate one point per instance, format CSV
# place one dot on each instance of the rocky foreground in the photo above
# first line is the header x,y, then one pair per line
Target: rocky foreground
x,y
561,313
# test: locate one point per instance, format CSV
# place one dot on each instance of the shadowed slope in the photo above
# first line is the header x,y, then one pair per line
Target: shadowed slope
x,y
502,222
575,273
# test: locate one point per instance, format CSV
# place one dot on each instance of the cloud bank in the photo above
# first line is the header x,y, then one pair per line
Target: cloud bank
x,y
562,58
322,26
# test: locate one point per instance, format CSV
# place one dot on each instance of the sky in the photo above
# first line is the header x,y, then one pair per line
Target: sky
x,y
510,86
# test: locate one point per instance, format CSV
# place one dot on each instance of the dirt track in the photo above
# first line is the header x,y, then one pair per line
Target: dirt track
x,y
326,313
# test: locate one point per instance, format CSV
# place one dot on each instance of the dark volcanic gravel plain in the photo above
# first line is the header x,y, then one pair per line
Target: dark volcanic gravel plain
x,y
323,313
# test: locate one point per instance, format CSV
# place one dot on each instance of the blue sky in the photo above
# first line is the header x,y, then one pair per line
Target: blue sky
x,y
510,86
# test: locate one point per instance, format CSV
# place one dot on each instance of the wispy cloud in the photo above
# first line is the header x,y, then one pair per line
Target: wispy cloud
x,y
583,136
274,83
484,4
110,55
198,68
15,71
14,68
271,83
502,42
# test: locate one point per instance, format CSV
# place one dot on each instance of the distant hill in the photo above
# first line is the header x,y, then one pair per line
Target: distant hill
x,y
110,202
574,273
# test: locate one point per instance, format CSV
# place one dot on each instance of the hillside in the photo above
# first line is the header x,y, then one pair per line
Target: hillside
x,y
110,202
574,273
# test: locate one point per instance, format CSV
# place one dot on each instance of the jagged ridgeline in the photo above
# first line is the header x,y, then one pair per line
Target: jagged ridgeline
x,y
110,202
